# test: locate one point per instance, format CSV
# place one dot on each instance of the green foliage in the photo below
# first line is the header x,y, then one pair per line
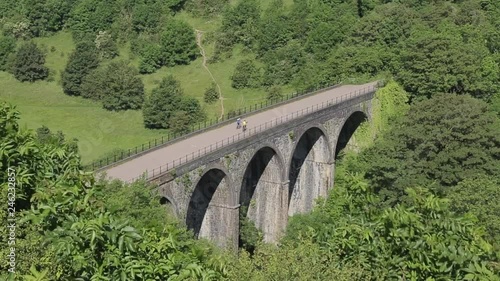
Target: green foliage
x,y
65,231
211,95
7,47
81,62
283,64
105,45
274,93
35,165
192,108
147,16
305,261
389,104
479,196
160,108
440,142
92,16
439,62
274,31
46,16
250,236
117,85
162,103
180,122
245,75
422,241
45,136
238,24
495,103
151,59
29,63
178,43
205,8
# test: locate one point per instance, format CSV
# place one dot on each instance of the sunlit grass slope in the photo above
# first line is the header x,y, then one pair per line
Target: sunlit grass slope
x,y
99,131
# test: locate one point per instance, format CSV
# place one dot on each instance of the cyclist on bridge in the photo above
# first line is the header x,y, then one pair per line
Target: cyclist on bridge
x,y
244,125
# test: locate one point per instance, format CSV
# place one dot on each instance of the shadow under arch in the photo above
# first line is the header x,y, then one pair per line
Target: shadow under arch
x,y
260,189
165,201
307,180
348,129
201,197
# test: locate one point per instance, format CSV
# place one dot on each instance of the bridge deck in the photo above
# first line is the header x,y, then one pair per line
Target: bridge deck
x,y
192,145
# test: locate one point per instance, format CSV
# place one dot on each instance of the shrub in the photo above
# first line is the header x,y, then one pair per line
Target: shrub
x,y
117,86
80,63
274,93
178,43
160,108
246,75
162,103
29,63
211,94
7,47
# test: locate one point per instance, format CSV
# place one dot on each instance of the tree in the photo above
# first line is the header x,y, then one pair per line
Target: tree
x,y
274,30
117,86
151,58
435,62
193,109
274,93
478,196
245,75
418,241
29,63
178,43
211,94
283,64
45,136
105,45
205,8
239,23
80,63
147,16
72,226
439,143
91,16
162,103
180,122
47,16
167,107
7,47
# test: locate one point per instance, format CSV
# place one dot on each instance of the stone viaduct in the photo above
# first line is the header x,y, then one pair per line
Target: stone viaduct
x,y
271,175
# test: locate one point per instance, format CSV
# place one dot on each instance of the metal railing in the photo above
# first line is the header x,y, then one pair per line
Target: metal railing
x,y
171,137
170,166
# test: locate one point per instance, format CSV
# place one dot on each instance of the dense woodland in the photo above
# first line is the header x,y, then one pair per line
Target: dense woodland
x,y
416,200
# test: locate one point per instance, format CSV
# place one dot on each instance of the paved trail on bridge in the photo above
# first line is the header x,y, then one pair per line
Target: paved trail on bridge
x,y
161,156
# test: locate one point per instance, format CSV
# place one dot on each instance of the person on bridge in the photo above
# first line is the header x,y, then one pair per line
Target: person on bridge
x,y
244,125
238,123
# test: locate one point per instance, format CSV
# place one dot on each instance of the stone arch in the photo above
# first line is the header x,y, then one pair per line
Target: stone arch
x,y
262,192
310,170
210,212
165,201
347,130
169,205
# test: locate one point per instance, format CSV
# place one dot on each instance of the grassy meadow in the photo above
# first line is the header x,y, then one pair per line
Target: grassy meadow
x,y
100,131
